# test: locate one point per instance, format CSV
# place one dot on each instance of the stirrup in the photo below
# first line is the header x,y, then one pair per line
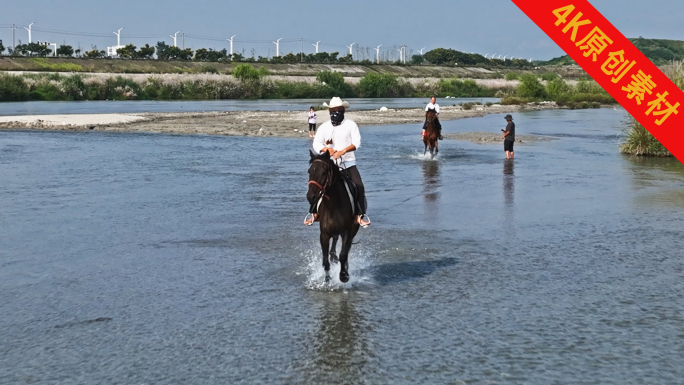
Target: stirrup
x,y
308,217
361,218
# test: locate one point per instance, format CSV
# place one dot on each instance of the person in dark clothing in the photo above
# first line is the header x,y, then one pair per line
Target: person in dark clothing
x,y
509,137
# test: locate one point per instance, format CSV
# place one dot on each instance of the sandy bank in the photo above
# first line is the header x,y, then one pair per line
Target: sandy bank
x,y
66,121
243,123
495,138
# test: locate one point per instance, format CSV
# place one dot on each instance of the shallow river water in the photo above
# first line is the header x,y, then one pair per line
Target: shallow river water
x,y
140,259
141,106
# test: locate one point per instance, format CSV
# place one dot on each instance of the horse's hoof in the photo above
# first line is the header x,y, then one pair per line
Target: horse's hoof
x,y
334,258
344,277
327,278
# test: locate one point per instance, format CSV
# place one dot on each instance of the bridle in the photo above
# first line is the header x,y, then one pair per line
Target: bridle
x,y
328,180
434,115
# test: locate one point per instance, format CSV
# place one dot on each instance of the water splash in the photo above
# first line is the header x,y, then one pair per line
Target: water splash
x,y
360,259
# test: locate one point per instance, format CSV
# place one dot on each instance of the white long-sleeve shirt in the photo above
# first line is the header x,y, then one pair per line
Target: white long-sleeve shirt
x,y
433,107
339,138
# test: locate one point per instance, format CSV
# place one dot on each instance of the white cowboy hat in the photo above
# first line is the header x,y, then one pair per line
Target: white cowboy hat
x,y
336,102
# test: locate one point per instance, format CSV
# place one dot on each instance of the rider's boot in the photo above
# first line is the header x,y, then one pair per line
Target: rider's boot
x,y
363,220
310,219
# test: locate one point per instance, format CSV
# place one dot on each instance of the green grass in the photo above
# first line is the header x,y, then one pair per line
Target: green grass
x,y
58,67
640,142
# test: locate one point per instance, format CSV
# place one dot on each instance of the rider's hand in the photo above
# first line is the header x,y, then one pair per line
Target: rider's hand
x,y
338,154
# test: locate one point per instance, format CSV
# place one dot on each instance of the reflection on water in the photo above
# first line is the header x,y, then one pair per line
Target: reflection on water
x,y
658,181
340,347
509,189
509,183
431,184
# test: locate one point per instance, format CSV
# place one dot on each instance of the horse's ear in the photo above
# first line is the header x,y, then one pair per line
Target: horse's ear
x,y
313,156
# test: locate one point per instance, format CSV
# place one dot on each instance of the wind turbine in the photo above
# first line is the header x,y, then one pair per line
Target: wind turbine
x,y
231,44
421,50
350,48
316,45
377,50
174,38
29,30
499,57
486,55
277,43
118,37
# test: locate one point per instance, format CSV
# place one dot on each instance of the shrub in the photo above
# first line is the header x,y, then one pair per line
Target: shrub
x,y
246,72
467,106
556,87
512,76
334,82
530,87
595,105
583,87
380,86
13,88
463,88
549,76
512,100
641,142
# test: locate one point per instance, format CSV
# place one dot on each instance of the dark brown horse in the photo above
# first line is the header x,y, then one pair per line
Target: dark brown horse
x,y
335,211
431,133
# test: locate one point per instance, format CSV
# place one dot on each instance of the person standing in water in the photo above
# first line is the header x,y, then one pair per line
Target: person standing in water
x,y
433,106
509,137
312,122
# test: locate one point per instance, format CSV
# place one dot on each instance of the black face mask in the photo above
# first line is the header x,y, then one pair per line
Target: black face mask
x,y
336,117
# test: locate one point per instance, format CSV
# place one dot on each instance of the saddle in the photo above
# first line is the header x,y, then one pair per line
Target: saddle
x,y
352,192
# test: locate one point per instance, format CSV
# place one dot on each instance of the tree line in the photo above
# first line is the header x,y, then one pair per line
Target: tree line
x,y
163,51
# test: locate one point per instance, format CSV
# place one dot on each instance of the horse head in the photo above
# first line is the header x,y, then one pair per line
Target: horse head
x,y
430,115
321,172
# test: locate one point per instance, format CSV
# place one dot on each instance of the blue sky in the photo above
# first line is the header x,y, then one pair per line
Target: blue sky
x,y
486,26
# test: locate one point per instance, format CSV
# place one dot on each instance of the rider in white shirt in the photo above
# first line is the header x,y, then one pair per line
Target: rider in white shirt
x,y
340,138
433,106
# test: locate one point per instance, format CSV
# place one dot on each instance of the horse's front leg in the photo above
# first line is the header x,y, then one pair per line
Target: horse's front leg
x,y
333,249
325,247
344,256
426,146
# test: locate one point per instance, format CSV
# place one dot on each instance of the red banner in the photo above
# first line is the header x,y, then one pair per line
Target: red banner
x,y
616,64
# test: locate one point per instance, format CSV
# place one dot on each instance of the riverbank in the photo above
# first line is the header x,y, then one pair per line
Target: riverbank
x,y
109,66
242,123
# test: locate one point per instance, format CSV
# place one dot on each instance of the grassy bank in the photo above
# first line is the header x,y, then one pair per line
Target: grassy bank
x,y
356,69
549,86
247,83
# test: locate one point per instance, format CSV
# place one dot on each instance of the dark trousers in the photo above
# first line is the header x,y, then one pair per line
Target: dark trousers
x,y
353,174
437,124
312,126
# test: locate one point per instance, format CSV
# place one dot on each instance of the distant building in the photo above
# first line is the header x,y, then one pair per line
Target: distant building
x,y
111,51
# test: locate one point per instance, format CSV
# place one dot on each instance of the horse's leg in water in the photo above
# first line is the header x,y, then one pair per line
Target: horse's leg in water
x,y
426,145
347,239
333,249
325,247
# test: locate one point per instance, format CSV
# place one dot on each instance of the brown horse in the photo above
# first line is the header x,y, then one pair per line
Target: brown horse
x,y
431,133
